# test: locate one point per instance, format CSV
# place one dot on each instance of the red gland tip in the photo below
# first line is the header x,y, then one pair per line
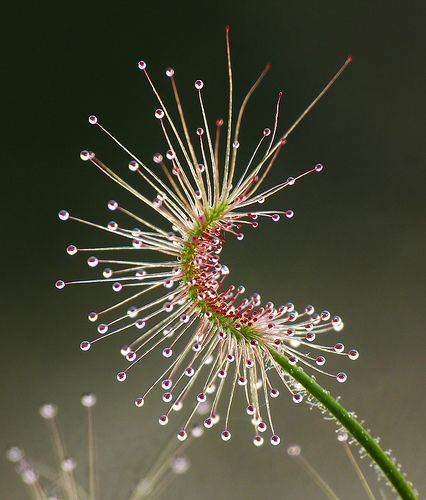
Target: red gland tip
x,y
268,67
227,28
280,93
283,141
349,59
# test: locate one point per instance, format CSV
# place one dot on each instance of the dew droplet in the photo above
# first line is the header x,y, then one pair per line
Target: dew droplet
x,y
353,354
71,249
14,454
309,309
226,435
167,352
112,205
275,440
163,420
85,345
177,406
320,360
201,397
167,397
107,272
102,328
133,165
182,435
339,347
139,402
294,451
88,399
157,158
258,441
262,427
131,356
251,410
274,393
92,261
48,411
297,398
68,464
166,384
325,315
63,215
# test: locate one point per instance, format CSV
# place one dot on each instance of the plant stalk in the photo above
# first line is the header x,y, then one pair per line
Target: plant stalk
x,y
364,438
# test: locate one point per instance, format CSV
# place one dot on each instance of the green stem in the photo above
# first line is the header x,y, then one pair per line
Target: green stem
x,y
363,437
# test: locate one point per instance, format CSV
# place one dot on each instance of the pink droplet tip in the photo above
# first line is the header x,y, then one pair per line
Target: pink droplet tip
x,y
60,284
85,345
85,155
92,316
275,440
228,28
71,249
268,67
349,59
182,435
63,215
142,65
226,435
93,120
112,205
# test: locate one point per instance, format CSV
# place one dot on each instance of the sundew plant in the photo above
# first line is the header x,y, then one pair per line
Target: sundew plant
x,y
216,336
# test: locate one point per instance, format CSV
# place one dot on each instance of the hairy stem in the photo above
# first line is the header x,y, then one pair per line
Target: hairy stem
x,y
363,437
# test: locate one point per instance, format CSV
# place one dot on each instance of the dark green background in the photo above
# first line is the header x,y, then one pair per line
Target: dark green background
x,y
356,245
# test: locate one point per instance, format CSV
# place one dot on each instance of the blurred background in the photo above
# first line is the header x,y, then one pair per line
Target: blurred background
x,y
356,245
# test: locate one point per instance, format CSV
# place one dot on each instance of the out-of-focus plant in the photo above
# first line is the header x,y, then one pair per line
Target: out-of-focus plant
x,y
65,480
